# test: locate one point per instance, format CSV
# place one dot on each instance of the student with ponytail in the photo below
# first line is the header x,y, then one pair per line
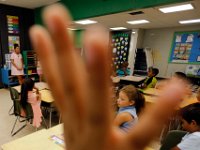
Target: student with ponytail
x,y
30,94
130,103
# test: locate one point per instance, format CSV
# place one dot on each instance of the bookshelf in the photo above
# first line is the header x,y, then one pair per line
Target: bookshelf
x,y
30,63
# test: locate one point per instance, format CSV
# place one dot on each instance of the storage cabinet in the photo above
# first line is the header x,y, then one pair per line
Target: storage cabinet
x,y
30,63
7,79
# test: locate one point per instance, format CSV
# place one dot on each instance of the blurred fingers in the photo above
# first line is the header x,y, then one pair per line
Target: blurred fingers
x,y
42,43
151,123
70,65
98,64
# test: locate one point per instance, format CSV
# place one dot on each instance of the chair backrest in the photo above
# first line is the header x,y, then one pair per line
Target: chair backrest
x,y
17,105
18,110
172,139
14,94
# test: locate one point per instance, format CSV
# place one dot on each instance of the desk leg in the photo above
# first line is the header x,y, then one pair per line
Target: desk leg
x,y
50,117
59,119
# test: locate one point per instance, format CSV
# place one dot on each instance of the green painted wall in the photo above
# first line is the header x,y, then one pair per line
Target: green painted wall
x,y
78,38
37,13
91,8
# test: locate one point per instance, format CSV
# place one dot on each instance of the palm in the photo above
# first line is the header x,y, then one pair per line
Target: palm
x,y
81,89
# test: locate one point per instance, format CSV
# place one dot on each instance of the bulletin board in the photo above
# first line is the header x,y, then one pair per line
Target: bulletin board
x,y
120,47
185,48
11,41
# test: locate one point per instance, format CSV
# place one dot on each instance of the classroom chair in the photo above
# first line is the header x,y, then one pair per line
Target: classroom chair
x,y
20,117
172,139
17,111
14,96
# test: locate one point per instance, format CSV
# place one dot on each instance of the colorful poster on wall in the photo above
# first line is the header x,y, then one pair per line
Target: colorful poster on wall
x,y
120,47
185,47
11,41
13,24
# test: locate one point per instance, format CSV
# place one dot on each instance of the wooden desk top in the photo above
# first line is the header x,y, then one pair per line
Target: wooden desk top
x,y
128,78
45,93
152,91
42,85
187,100
39,140
46,96
39,85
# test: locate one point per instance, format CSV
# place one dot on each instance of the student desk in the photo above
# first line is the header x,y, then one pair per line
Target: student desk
x,y
151,94
135,80
39,140
46,96
152,91
39,85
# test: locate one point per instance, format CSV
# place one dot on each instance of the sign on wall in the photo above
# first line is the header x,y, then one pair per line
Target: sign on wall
x,y
11,41
13,24
185,47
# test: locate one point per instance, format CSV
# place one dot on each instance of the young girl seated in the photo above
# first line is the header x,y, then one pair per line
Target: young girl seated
x,y
130,103
28,95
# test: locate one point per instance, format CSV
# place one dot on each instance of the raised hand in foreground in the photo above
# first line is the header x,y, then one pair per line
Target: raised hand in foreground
x,y
81,89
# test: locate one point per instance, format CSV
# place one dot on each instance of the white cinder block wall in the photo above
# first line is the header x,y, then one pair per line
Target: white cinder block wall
x,y
160,41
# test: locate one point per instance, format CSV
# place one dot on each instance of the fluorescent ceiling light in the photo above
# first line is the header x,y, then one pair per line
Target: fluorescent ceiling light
x,y
137,21
84,22
133,32
189,21
118,28
176,8
71,29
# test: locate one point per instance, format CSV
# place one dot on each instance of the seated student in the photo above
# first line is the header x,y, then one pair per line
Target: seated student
x,y
123,70
176,75
28,95
151,80
130,103
191,123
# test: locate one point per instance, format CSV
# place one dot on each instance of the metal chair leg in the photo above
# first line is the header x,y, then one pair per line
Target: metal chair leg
x,y
50,117
60,118
14,124
10,111
19,129
44,121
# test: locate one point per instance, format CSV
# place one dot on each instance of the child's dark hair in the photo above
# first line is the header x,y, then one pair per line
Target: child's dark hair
x,y
16,45
133,94
27,85
191,112
155,71
180,75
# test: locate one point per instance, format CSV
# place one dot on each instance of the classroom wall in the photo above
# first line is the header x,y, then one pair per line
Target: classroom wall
x,y
26,19
160,41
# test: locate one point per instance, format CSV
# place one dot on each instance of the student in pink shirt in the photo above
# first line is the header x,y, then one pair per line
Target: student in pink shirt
x,y
17,64
28,95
